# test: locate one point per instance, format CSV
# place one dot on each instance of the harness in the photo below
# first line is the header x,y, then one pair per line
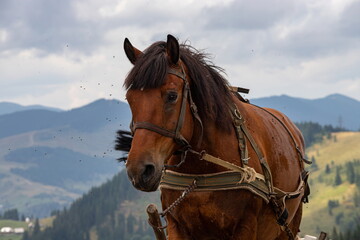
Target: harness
x,y
238,177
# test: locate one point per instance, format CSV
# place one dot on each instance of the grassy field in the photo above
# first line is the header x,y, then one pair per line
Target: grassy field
x,y
340,148
13,224
46,222
11,237
334,151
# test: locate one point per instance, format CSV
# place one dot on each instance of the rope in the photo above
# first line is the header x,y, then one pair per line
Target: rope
x,y
248,175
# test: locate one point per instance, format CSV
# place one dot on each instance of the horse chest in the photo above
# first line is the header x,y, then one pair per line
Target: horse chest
x,y
210,213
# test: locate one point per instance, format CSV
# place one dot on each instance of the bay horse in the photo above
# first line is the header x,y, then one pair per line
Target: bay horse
x,y
226,169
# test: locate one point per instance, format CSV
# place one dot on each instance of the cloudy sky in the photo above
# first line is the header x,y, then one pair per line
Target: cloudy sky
x,y
68,53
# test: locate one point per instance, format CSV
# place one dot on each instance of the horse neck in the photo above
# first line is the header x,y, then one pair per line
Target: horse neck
x,y
216,142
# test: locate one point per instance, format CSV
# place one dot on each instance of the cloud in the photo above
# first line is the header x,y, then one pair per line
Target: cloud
x,y
301,48
52,26
48,25
301,30
247,15
349,23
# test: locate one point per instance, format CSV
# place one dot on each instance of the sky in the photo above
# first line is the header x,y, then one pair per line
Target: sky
x,y
69,53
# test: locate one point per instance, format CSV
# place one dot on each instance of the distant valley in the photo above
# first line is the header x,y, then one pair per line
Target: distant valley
x,y
50,158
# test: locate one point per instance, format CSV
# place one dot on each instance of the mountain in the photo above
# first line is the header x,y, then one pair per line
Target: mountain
x,y
49,158
88,118
50,152
48,166
336,109
7,108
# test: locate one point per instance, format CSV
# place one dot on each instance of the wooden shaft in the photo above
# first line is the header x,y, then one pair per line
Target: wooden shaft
x,y
155,222
322,236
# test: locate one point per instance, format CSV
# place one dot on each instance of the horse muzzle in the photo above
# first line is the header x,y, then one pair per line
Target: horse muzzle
x,y
145,177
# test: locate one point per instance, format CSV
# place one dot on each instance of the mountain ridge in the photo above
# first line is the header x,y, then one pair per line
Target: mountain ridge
x,y
90,130
82,118
68,143
335,109
9,107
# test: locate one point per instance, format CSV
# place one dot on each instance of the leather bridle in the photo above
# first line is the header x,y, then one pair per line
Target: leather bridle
x,y
176,133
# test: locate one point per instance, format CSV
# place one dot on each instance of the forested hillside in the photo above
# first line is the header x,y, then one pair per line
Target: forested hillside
x,y
96,215
335,187
314,132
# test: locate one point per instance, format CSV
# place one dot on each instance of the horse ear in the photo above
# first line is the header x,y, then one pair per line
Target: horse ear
x,y
172,49
132,53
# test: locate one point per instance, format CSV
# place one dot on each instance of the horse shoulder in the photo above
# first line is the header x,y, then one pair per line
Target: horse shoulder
x,y
294,130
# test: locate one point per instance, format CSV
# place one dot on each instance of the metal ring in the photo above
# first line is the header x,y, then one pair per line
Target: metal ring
x,y
237,114
202,154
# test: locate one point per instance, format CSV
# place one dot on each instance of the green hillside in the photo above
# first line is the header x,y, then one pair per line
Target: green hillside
x,y
112,211
334,199
12,224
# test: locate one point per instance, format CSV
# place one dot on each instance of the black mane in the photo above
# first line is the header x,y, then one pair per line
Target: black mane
x,y
123,143
209,88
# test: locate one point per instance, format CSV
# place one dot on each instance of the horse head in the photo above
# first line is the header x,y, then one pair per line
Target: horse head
x,y
158,94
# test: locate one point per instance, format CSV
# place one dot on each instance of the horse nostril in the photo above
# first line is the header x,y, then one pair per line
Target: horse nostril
x,y
148,172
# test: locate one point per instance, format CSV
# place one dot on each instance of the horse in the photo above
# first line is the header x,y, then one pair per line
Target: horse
x,y
227,169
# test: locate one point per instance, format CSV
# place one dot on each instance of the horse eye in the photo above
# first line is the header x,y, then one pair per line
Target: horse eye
x,y
171,97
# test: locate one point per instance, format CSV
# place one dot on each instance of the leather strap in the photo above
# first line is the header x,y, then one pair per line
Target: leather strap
x,y
181,119
264,164
154,128
239,122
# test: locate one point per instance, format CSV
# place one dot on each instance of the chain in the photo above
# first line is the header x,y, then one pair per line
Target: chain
x,y
277,211
188,190
289,232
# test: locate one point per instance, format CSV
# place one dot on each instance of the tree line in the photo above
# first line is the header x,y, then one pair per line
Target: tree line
x,y
12,214
350,234
350,172
314,132
96,212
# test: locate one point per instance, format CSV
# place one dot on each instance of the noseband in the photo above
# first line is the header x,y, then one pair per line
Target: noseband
x,y
176,133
